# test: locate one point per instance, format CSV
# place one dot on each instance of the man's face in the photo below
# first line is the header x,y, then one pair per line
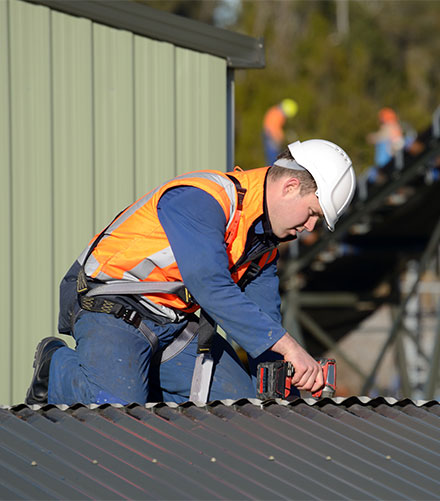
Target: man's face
x,y
291,213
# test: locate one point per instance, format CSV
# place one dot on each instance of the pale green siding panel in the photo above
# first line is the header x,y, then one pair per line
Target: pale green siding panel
x,y
114,122
92,118
155,113
32,204
5,211
73,182
200,111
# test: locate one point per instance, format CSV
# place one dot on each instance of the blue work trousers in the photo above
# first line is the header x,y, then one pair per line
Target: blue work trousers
x,y
112,364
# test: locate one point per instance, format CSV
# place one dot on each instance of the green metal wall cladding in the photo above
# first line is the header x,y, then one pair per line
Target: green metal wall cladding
x,y
91,117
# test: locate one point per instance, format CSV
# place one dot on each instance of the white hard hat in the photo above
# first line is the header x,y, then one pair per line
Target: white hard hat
x,y
332,170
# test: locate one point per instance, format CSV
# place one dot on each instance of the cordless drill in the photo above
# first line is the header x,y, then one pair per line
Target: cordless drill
x,y
274,379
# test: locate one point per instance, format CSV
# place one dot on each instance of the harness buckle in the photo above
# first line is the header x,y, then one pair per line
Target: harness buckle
x,y
131,317
253,270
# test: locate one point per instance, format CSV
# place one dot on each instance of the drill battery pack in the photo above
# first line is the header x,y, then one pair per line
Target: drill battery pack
x,y
273,379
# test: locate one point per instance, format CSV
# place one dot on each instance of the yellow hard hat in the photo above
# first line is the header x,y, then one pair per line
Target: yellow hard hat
x,y
289,107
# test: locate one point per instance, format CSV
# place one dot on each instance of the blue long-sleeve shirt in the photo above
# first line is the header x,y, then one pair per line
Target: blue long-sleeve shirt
x,y
195,225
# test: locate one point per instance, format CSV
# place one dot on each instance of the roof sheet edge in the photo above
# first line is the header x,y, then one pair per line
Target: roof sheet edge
x,y
339,401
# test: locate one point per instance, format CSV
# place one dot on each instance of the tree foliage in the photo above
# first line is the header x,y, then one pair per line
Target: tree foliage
x,y
386,55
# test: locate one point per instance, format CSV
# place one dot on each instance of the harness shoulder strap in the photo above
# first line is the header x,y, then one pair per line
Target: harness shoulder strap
x,y
241,192
252,271
81,282
254,267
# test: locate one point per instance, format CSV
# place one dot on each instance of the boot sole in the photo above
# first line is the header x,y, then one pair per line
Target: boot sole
x,y
37,355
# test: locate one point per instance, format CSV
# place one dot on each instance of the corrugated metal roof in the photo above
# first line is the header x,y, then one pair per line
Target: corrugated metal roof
x,y
333,449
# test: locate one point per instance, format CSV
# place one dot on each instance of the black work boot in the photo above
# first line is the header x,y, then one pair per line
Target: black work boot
x,y
37,392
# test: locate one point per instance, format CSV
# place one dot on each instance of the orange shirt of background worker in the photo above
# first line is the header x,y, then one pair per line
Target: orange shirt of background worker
x,y
274,121
276,117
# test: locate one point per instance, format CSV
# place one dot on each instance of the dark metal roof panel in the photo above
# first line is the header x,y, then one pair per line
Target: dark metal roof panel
x,y
333,449
240,51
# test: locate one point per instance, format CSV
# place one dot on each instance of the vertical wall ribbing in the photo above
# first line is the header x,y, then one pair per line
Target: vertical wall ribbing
x,y
92,117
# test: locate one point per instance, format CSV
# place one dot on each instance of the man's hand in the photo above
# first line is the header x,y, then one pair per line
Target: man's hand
x,y
308,373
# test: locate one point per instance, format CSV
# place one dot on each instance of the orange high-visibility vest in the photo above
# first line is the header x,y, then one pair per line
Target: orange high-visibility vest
x,y
136,248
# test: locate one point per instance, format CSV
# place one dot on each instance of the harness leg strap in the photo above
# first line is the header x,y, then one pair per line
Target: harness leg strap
x,y
203,368
180,342
201,380
150,335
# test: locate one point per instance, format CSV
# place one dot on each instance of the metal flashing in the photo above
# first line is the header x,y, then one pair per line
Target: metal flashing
x,y
240,51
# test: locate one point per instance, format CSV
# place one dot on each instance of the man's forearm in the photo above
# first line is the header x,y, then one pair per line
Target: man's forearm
x,y
285,345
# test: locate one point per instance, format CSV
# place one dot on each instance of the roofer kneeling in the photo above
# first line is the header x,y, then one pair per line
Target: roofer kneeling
x,y
202,240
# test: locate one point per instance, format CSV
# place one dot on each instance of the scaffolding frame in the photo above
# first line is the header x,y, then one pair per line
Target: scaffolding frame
x,y
296,319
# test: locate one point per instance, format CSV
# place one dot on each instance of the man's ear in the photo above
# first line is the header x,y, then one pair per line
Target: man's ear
x,y
291,185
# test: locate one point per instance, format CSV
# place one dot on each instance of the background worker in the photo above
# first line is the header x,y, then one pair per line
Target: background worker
x,y
388,140
273,128
215,233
